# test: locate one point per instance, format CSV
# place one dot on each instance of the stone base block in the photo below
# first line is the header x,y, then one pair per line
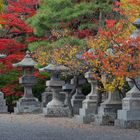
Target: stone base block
x,y
56,112
107,114
128,119
77,104
86,113
104,120
46,98
28,105
84,119
129,115
127,124
3,109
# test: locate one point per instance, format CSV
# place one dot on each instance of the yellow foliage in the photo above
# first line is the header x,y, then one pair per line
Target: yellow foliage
x,y
1,5
122,31
66,55
117,82
131,9
42,56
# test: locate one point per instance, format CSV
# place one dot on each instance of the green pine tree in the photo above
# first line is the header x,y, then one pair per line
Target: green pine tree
x,y
71,15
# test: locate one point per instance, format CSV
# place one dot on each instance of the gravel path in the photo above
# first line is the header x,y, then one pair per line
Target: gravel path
x,y
37,127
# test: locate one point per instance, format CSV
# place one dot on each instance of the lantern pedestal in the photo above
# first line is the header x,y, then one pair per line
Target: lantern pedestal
x,y
3,107
28,103
78,97
107,112
68,88
129,116
87,112
56,107
46,97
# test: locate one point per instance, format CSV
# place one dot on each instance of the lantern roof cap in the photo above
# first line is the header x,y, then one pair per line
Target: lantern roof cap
x,y
26,62
136,33
136,23
54,68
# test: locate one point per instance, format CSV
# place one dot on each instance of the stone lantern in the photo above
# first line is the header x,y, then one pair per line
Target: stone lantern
x,y
89,105
3,107
46,96
107,112
28,103
78,96
56,107
129,116
68,88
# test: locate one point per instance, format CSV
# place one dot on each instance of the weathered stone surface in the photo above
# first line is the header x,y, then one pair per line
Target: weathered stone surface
x,y
55,83
28,105
57,112
46,97
127,124
3,107
78,97
56,88
68,88
107,112
129,116
55,69
87,112
28,80
76,101
56,107
26,62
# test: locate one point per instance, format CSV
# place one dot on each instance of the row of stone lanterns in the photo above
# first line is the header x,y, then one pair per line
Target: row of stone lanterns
x,y
84,109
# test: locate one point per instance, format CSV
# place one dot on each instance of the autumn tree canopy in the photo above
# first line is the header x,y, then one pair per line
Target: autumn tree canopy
x,y
117,53
66,22
13,41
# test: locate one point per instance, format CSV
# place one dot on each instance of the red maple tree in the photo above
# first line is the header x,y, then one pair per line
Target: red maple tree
x,y
15,33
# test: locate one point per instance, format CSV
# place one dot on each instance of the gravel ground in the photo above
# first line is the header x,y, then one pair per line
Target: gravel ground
x,y
37,127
